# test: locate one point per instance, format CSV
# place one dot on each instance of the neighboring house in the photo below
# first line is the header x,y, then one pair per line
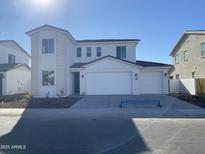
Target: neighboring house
x,y
15,73
62,66
189,56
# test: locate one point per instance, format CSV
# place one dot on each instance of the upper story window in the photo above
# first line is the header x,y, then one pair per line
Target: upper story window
x,y
47,78
121,52
203,49
78,52
186,55
177,59
88,51
98,51
47,46
11,59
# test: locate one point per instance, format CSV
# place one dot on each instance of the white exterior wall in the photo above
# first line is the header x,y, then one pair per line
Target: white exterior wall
x,y
4,86
35,73
106,49
59,61
20,57
47,62
70,47
110,66
17,80
186,86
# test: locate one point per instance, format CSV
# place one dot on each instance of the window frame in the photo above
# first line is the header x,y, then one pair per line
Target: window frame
x,y
177,76
121,52
202,51
175,59
79,52
48,47
193,75
186,59
98,51
88,51
12,58
50,81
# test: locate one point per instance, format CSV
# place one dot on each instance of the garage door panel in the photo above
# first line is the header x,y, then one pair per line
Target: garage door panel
x,y
108,83
151,83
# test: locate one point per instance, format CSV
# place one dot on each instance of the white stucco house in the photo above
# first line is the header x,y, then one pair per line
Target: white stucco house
x,y
15,73
62,65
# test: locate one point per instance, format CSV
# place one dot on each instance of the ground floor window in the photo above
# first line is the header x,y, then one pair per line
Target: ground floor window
x,y
193,74
177,76
47,78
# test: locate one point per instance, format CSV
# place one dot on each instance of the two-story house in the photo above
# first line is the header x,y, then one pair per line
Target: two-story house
x,y
15,73
64,66
188,56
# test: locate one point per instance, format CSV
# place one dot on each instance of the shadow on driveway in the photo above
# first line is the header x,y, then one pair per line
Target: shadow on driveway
x,y
65,131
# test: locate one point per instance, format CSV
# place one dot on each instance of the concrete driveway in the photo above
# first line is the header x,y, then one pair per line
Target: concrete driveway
x,y
171,106
104,128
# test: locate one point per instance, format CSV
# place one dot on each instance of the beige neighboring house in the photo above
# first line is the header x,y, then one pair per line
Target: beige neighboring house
x,y
188,56
15,73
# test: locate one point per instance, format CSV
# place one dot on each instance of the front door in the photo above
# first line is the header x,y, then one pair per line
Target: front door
x,y
0,85
76,83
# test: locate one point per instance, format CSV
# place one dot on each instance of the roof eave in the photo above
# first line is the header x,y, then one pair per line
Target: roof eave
x,y
159,67
18,46
178,43
29,33
76,69
105,42
188,32
111,57
17,66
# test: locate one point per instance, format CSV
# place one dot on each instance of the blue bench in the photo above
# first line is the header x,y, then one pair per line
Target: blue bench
x,y
141,101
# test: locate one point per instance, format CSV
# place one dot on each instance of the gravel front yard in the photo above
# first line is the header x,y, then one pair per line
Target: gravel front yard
x,y
193,99
25,101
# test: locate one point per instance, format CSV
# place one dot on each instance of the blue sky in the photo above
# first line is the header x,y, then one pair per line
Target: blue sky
x,y
158,23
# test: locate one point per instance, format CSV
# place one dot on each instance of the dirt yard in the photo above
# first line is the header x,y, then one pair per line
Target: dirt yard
x,y
26,101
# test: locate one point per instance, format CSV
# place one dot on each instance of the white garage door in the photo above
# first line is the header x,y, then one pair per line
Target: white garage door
x,y
151,83
108,83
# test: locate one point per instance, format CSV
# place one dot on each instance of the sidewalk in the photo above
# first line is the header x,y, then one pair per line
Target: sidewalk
x,y
106,113
11,112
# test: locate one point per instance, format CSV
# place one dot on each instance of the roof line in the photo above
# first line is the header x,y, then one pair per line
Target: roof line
x,y
188,32
18,46
199,30
59,29
81,41
153,62
109,56
30,31
18,65
13,66
107,40
140,63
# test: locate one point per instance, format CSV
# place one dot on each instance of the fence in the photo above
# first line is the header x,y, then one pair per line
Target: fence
x,y
186,86
200,86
